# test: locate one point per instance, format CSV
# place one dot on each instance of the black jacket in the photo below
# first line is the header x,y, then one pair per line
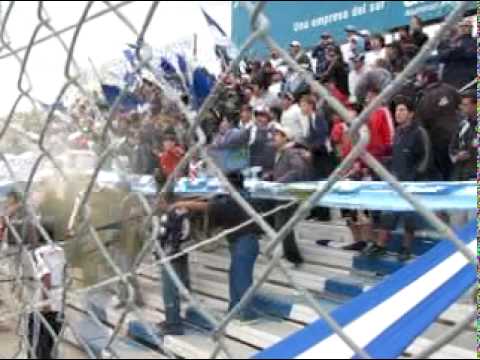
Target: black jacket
x,y
460,61
412,158
419,38
319,144
464,139
336,71
437,112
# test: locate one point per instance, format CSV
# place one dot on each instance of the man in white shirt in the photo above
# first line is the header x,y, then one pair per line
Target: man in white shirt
x,y
292,118
43,274
352,46
275,89
275,59
378,50
358,70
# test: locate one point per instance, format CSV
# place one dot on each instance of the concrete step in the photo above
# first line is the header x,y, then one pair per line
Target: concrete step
x,y
93,338
262,333
193,345
337,282
265,333
273,300
292,305
347,260
316,282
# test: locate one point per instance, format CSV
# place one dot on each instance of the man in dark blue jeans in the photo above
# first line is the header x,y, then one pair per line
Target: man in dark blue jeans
x,y
243,244
244,251
174,231
173,324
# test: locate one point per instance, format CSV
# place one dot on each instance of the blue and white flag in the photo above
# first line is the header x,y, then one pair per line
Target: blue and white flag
x,y
202,84
130,76
59,106
183,66
129,102
224,48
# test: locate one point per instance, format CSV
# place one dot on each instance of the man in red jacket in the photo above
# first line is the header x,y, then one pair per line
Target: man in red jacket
x,y
171,155
382,129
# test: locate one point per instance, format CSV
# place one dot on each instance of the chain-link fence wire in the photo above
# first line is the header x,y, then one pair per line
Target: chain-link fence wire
x,y
108,144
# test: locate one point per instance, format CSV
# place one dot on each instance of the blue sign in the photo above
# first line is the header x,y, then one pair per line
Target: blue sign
x,y
304,21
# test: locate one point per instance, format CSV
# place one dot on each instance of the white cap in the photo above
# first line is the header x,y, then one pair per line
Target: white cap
x,y
364,32
295,43
277,127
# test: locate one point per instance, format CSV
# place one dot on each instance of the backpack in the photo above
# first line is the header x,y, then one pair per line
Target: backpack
x,y
175,231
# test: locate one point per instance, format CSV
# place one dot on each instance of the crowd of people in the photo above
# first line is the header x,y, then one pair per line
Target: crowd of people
x,y
266,111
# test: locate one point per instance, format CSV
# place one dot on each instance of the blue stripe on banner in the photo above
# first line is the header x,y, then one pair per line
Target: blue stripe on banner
x,y
315,333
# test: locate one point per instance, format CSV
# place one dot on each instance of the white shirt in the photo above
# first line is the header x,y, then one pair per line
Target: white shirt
x,y
294,121
271,97
348,52
372,56
43,261
353,78
256,102
276,62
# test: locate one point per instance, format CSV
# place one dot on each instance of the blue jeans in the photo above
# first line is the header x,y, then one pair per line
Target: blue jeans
x,y
171,294
244,251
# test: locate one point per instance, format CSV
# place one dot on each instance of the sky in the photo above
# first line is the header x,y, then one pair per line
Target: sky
x,y
101,40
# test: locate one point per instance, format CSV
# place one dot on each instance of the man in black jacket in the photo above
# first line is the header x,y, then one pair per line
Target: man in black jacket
x,y
437,111
463,147
318,139
244,246
460,58
411,161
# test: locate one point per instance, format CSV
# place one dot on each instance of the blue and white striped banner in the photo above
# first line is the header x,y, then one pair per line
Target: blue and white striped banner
x,y
385,320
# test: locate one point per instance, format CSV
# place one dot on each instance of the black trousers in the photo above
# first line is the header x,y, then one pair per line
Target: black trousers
x,y
40,339
443,163
290,247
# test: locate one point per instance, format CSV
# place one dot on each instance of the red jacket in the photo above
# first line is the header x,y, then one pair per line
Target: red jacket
x,y
340,138
340,96
169,160
382,131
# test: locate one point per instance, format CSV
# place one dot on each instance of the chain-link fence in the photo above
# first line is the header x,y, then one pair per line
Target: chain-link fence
x,y
108,145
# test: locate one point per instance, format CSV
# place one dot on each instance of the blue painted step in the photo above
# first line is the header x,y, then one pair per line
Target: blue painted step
x,y
97,337
382,265
143,334
344,286
420,246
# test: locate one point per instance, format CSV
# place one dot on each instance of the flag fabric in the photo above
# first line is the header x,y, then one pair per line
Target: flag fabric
x,y
167,67
224,48
130,76
169,72
130,56
183,66
59,106
129,101
202,84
